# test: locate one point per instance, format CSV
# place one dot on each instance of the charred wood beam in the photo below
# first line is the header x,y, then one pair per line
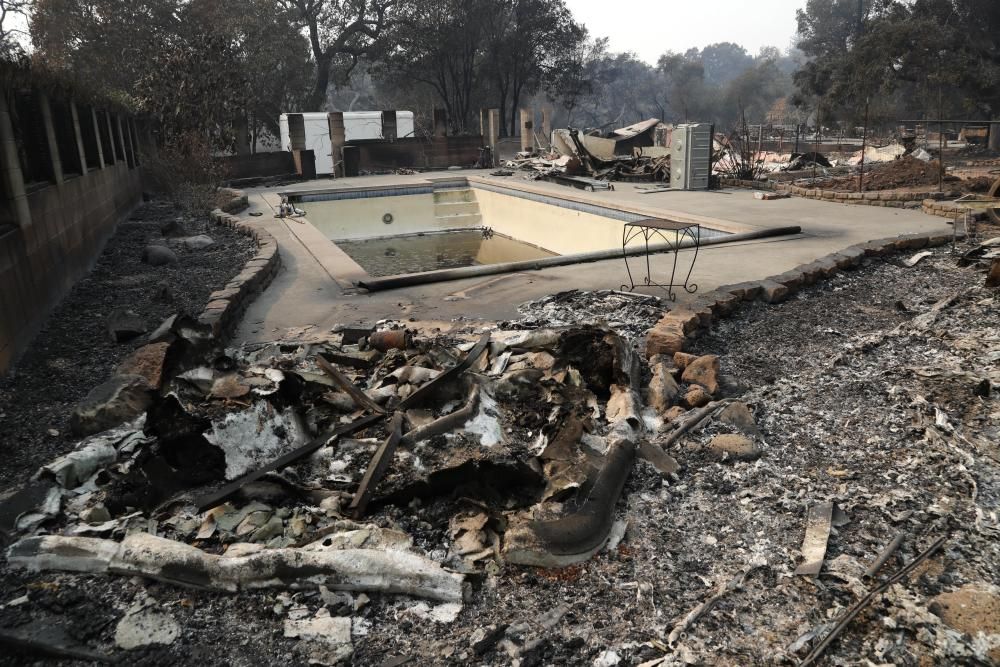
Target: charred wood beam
x,y
360,398
216,497
377,466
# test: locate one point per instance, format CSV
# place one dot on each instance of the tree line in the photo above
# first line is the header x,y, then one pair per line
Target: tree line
x,y
226,69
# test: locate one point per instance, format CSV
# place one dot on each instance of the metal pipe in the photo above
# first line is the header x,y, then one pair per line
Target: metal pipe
x,y
441,275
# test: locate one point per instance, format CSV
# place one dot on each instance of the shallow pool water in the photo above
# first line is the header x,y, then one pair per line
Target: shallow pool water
x,y
414,253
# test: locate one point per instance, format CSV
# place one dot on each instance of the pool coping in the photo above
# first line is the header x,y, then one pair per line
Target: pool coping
x,y
350,276
527,187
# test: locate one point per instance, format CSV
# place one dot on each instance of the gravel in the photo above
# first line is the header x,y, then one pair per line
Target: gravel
x,y
73,352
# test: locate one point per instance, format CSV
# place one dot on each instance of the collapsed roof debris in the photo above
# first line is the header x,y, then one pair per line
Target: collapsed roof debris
x,y
625,154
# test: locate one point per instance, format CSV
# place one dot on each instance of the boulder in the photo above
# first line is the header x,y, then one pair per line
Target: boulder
x,y
738,416
703,371
993,279
683,359
664,337
173,228
158,255
697,397
673,413
199,242
125,325
146,362
663,389
774,292
972,609
120,399
733,447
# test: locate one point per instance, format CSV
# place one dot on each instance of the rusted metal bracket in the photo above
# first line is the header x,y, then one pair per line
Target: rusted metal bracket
x,y
377,467
383,456
421,395
360,398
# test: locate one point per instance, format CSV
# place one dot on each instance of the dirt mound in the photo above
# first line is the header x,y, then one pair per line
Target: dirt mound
x,y
905,172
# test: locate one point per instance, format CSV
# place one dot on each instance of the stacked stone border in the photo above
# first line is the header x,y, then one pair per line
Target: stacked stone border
x,y
126,394
885,198
233,201
673,331
226,306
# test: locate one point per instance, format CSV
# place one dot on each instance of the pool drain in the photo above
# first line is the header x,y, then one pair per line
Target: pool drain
x,y
387,218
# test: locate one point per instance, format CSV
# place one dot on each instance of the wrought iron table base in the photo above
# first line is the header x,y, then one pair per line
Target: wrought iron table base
x,y
659,228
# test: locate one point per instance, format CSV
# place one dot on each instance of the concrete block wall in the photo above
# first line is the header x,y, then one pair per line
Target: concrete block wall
x,y
52,232
884,198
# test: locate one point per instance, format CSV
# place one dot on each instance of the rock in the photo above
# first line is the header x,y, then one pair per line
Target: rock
x,y
484,639
682,359
733,447
125,325
163,292
361,601
774,292
272,528
703,371
146,362
120,399
659,459
971,609
95,515
164,332
993,279
663,389
199,242
329,637
674,412
697,397
173,227
144,627
158,255
738,415
665,337
339,603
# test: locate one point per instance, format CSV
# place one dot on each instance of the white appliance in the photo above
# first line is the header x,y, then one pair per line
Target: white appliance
x,y
691,156
357,125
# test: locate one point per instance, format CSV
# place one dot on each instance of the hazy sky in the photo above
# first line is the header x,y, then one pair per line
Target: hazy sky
x,y
650,27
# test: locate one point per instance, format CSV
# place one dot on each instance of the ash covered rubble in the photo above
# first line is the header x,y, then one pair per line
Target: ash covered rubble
x,y
272,466
721,505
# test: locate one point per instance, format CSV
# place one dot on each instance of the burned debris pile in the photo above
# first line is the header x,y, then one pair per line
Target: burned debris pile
x,y
383,488
626,154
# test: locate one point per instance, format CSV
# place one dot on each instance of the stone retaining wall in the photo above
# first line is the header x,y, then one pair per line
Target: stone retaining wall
x,y
950,210
671,333
886,198
232,201
226,306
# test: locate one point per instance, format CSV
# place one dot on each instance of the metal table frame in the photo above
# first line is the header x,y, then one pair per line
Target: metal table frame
x,y
653,227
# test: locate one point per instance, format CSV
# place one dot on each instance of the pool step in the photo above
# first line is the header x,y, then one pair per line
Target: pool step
x,y
453,195
461,220
455,208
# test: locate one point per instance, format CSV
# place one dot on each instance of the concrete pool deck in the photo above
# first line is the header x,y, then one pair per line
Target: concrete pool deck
x,y
313,289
